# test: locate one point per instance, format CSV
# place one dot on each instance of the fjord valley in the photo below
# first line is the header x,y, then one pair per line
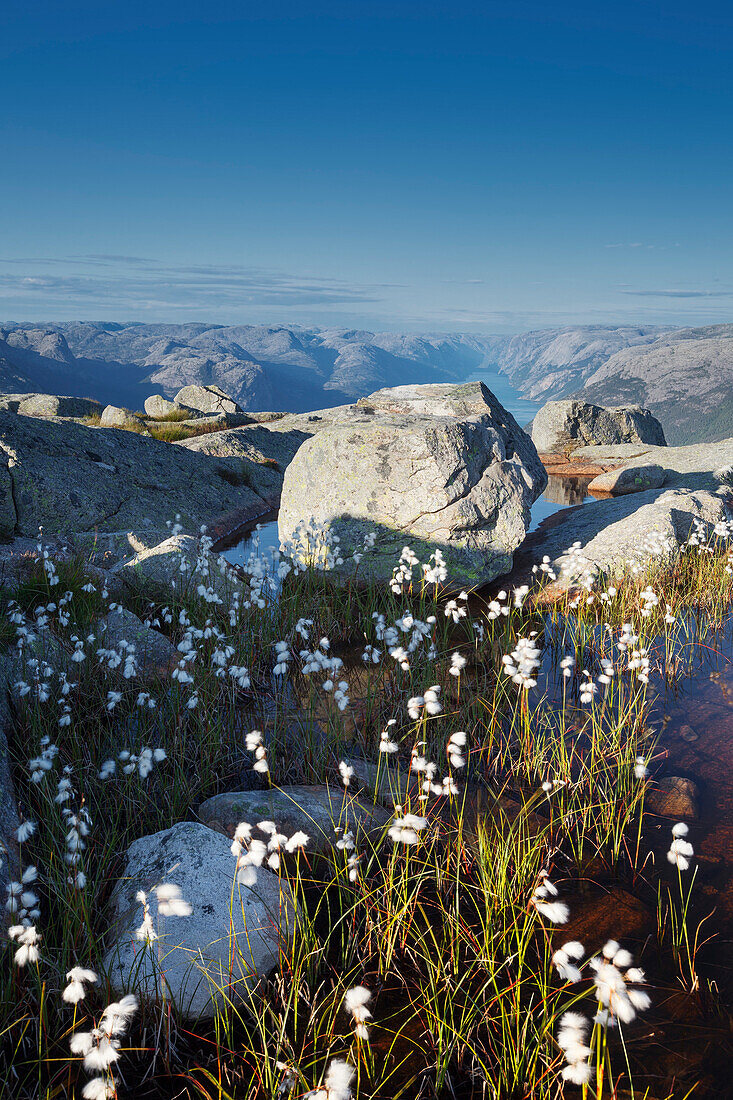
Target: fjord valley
x,y
673,372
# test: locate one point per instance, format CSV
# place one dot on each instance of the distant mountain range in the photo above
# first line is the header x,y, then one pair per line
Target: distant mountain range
x,y
685,376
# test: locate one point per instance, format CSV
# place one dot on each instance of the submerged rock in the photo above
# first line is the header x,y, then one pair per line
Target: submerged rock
x,y
436,467
674,796
565,425
230,940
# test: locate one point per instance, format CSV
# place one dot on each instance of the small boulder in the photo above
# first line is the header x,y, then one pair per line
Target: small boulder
x,y
229,941
315,810
157,406
674,796
562,426
177,561
49,404
155,654
115,417
207,399
629,479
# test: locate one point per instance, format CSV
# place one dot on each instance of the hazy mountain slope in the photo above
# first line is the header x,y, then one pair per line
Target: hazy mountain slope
x,y
684,377
275,367
552,363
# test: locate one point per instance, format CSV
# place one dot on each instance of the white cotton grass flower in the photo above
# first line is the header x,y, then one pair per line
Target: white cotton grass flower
x,y
427,703
405,828
457,664
522,663
25,831
337,1082
565,960
171,902
572,1038
355,1002
640,769
347,773
78,978
28,938
455,748
544,901
618,1001
386,744
680,850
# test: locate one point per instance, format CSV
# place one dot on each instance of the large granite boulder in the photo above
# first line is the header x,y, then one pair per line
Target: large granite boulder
x,y
177,562
562,426
73,478
50,404
228,942
206,399
435,467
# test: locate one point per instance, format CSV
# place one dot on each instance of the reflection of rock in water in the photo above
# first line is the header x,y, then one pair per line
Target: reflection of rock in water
x,y
566,490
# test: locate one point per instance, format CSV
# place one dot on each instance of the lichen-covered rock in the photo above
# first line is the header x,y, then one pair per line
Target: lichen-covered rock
x,y
561,426
230,940
115,417
436,467
207,399
50,404
316,810
629,479
71,478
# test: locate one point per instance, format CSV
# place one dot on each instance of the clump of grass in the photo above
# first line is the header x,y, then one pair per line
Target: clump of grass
x,y
514,769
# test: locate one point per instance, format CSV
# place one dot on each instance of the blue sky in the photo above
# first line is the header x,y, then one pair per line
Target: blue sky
x,y
483,167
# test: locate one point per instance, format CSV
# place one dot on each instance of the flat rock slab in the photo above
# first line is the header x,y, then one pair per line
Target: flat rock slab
x,y
699,465
619,532
630,479
70,478
315,810
49,404
231,939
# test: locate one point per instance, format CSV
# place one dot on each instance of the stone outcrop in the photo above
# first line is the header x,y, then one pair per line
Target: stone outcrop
x,y
49,404
629,479
206,399
72,478
229,941
316,810
562,426
436,467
